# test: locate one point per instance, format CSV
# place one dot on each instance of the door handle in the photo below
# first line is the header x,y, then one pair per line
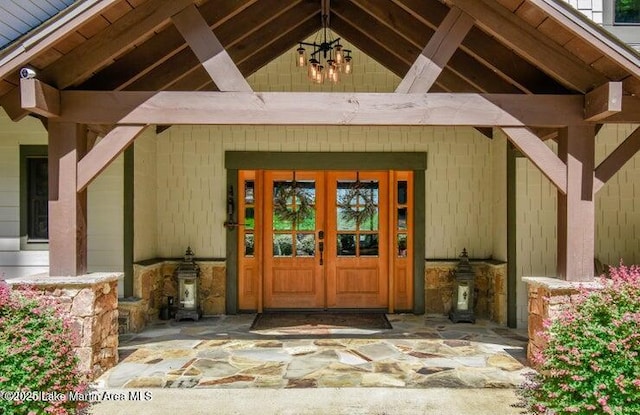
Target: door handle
x,y
321,249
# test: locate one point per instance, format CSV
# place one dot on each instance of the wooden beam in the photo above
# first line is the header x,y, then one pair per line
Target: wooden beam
x,y
67,207
92,54
212,55
531,44
603,101
367,33
39,98
630,112
158,49
576,207
298,108
104,152
614,161
12,104
434,57
542,156
414,20
545,133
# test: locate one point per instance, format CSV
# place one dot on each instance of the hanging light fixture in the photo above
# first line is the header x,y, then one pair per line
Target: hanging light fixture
x,y
337,60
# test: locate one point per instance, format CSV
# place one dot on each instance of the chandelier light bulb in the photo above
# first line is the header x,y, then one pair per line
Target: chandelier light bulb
x,y
301,59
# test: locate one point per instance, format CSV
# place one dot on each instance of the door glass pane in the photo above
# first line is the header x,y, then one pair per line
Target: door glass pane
x,y
249,218
294,205
307,223
280,224
402,245
282,245
345,221
248,244
402,219
402,193
248,192
369,244
305,244
369,218
346,244
357,205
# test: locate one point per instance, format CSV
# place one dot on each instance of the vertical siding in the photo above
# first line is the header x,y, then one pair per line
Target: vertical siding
x,y
499,194
536,213
105,229
618,203
145,197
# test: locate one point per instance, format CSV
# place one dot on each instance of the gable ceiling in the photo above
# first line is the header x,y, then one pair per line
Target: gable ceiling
x,y
515,46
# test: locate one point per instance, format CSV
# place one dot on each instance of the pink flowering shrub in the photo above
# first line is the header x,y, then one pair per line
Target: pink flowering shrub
x,y
36,355
591,363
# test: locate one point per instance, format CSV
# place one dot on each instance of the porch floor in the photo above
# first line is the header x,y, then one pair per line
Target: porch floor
x,y
223,352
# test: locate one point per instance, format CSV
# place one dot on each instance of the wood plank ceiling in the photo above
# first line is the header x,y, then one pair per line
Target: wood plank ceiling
x,y
514,46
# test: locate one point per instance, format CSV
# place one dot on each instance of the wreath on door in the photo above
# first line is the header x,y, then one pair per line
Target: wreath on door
x,y
296,212
357,205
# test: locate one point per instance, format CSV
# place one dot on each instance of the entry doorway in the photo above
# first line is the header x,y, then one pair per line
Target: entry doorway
x,y
318,240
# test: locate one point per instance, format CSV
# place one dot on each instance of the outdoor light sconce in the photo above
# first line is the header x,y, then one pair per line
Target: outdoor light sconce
x,y
463,291
231,208
187,274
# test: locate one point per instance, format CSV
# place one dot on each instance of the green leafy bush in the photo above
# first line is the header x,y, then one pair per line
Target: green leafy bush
x,y
591,363
38,366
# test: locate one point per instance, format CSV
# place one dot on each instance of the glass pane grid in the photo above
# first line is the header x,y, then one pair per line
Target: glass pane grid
x,y
357,218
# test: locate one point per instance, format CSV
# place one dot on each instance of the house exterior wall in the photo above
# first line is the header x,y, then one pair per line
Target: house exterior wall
x,y
13,261
616,209
104,199
459,191
191,168
145,197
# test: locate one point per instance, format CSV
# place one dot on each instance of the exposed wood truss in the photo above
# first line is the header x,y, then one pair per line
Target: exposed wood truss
x,y
274,108
542,156
104,152
212,55
442,45
614,162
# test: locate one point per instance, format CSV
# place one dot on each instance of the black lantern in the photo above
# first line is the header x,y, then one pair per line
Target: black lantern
x,y
187,274
463,292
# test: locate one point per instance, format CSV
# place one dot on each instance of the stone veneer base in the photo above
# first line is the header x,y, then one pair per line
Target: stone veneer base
x,y
490,283
547,297
91,301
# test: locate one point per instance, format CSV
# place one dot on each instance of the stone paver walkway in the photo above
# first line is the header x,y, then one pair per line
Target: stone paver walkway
x,y
222,352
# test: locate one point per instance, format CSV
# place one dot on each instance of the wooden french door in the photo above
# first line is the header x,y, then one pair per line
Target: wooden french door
x,y
328,238
357,270
323,240
293,225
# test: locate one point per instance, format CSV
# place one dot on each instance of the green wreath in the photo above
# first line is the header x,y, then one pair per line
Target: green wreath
x,y
303,206
363,211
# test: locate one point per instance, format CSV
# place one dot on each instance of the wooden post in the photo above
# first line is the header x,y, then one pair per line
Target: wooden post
x,y
576,212
67,207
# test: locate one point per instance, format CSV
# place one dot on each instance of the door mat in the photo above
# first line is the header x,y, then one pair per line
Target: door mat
x,y
320,322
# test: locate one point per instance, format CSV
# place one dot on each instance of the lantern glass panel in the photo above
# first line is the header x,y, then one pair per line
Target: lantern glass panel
x,y
188,293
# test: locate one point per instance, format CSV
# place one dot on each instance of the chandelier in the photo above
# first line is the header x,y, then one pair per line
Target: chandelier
x,y
328,58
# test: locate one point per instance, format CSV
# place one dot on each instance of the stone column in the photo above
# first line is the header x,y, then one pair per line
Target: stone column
x,y
547,297
91,301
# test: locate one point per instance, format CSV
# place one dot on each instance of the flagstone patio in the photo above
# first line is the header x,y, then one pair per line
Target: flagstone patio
x,y
223,352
